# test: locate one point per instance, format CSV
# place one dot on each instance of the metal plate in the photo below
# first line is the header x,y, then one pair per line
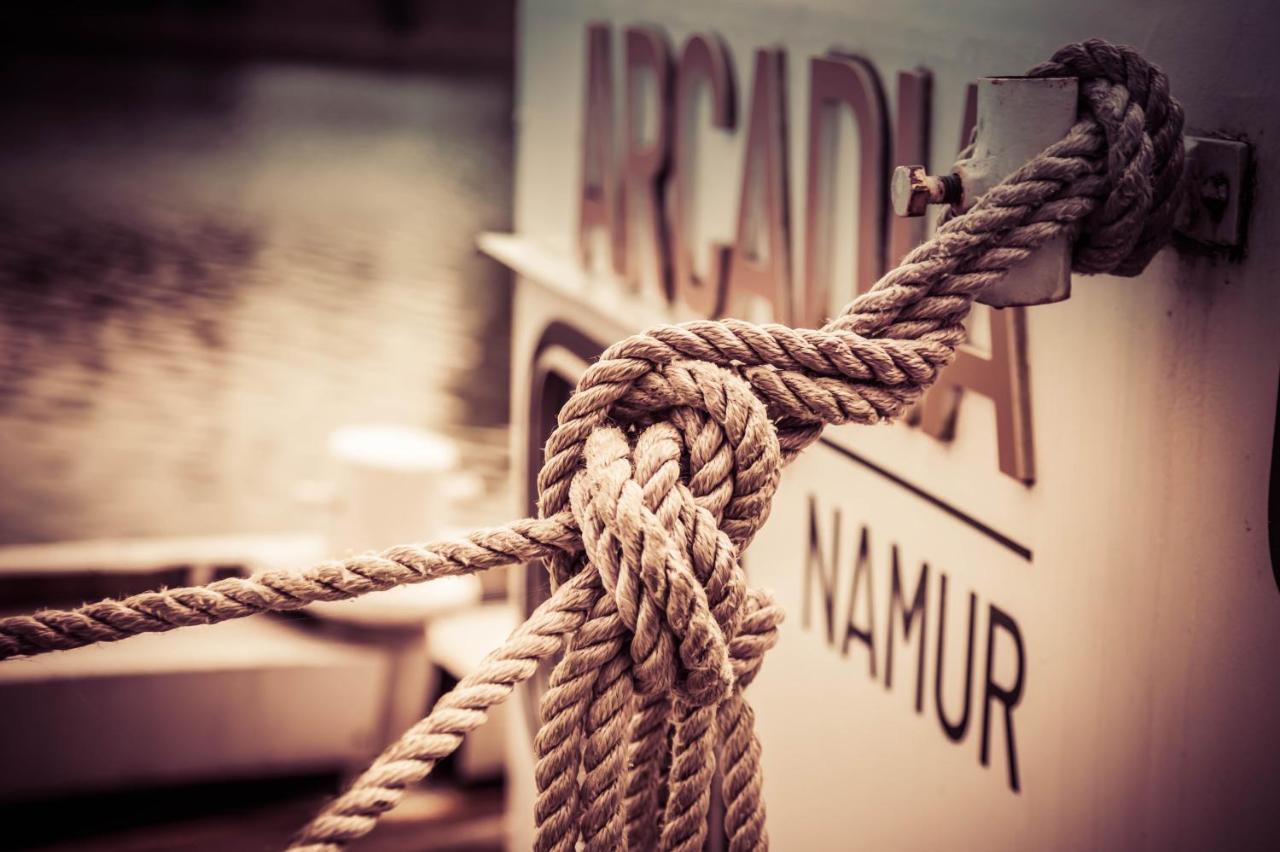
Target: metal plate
x,y
1215,211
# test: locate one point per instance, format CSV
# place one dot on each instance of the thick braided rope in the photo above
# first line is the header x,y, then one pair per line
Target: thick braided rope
x,y
661,470
279,591
1129,98
684,518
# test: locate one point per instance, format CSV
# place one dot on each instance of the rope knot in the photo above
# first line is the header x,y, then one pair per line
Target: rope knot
x,y
633,511
663,509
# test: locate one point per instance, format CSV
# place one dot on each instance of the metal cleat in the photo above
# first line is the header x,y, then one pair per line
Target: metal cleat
x,y
1018,117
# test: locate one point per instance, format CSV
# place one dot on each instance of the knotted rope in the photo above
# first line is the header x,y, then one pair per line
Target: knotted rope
x,y
662,468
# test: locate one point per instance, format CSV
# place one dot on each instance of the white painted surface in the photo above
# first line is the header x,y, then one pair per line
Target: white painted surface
x,y
142,555
458,643
1148,610
234,700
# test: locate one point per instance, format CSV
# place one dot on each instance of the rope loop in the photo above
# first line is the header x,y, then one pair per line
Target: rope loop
x,y
1142,158
663,516
645,564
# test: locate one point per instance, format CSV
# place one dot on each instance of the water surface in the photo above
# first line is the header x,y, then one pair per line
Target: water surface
x,y
204,270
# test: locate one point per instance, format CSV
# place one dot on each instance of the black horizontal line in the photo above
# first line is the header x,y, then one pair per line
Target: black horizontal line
x,y
959,514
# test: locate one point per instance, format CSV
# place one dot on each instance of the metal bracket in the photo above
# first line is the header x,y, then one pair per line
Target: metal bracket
x,y
1018,117
1214,211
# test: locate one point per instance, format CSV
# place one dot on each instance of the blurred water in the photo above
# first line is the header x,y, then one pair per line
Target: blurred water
x,y
203,271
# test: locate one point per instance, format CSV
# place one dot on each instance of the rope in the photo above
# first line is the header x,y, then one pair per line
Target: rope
x,y
662,468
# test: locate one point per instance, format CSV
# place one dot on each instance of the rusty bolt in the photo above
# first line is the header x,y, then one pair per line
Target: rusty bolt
x,y
913,189
1215,192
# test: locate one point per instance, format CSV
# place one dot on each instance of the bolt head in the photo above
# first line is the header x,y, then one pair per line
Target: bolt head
x,y
1215,192
909,190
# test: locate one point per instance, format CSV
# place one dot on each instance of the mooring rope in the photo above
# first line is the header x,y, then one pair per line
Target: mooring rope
x,y
662,468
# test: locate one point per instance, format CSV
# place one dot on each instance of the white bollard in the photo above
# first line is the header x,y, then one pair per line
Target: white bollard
x,y
393,485
390,486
